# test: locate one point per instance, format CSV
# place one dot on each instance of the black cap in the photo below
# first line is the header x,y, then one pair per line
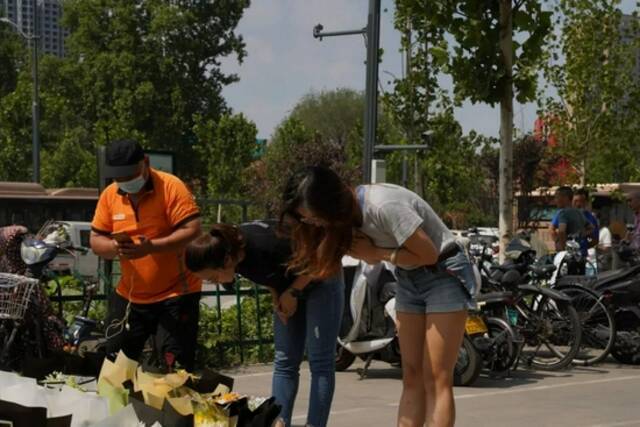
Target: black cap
x,y
122,158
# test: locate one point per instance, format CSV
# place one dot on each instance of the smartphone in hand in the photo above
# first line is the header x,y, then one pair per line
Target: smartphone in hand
x,y
121,237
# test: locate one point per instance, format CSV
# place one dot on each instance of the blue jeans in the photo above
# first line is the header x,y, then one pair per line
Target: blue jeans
x,y
315,323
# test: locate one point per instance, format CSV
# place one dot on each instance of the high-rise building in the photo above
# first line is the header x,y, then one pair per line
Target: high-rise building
x,y
49,12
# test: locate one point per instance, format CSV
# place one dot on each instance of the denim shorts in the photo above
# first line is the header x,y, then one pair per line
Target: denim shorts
x,y
446,287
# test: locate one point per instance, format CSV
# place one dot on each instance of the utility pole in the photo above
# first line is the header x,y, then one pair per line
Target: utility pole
x,y
35,105
372,34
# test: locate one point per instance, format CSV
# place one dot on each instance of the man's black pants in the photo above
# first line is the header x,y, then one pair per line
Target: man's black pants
x,y
174,321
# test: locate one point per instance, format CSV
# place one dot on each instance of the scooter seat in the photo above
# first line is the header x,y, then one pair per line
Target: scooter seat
x,y
505,267
542,270
494,297
602,279
388,291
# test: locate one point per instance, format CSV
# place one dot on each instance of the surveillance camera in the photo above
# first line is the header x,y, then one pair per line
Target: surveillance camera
x,y
317,30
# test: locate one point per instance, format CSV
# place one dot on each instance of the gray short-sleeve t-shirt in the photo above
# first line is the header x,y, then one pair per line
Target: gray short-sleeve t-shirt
x,y
391,214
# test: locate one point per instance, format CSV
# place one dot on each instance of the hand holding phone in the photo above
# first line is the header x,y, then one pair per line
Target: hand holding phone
x,y
121,237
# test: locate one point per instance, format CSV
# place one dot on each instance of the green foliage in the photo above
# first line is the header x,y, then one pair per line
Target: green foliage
x,y
593,68
226,149
472,48
334,114
464,39
293,146
12,58
149,70
71,285
15,132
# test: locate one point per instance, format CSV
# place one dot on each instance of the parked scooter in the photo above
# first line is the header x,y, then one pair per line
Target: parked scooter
x,y
368,328
369,323
37,252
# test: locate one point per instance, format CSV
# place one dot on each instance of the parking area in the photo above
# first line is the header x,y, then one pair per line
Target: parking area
x,y
602,396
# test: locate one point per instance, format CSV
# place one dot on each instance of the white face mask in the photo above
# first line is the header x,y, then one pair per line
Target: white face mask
x,y
133,186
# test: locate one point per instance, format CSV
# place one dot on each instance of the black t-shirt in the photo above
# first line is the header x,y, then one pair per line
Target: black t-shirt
x,y
265,256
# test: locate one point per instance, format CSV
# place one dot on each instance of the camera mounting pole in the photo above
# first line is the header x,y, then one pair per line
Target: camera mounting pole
x,y
372,36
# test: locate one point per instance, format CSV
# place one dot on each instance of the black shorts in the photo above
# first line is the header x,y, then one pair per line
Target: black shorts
x,y
174,321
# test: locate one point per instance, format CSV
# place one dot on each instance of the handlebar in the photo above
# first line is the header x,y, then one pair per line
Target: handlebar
x,y
80,249
68,246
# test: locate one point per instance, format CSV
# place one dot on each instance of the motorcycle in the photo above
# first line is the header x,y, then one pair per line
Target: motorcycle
x,y
368,329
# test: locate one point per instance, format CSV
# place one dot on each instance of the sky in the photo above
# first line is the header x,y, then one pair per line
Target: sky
x,y
284,61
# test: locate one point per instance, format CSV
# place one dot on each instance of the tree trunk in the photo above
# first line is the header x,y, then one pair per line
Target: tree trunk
x,y
505,186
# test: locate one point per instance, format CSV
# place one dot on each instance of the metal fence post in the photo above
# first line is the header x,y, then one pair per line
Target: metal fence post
x,y
259,325
239,318
219,311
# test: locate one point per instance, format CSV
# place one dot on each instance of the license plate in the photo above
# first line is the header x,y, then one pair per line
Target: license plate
x,y
475,325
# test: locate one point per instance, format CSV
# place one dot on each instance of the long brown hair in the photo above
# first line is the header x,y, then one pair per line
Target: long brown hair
x,y
212,249
318,251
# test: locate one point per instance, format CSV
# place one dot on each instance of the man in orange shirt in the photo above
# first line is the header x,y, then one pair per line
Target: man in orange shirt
x,y
146,218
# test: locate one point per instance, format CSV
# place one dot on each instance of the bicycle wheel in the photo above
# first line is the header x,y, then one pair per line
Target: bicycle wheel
x,y
597,322
503,354
550,329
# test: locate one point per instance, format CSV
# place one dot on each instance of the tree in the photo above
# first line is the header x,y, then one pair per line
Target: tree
x,y
147,69
337,117
334,114
229,147
292,147
12,58
69,164
15,132
143,69
596,113
15,96
485,61
534,165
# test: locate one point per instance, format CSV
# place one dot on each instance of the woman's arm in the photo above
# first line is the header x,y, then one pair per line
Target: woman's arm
x,y
289,298
418,249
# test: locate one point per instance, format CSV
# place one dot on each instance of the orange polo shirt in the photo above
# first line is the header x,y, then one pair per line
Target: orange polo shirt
x,y
165,204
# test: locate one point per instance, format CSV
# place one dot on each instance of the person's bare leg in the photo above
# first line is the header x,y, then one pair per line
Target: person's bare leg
x,y
411,330
444,333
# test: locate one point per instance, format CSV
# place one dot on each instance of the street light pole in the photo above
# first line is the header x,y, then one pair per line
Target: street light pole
x,y
35,97
371,91
35,105
372,34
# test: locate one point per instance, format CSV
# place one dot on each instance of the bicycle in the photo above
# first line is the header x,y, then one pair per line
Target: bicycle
x,y
540,317
596,317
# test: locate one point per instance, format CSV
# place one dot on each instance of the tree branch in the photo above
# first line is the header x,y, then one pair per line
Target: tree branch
x,y
518,4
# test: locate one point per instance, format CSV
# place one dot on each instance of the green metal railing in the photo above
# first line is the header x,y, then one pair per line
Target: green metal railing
x,y
110,272
240,291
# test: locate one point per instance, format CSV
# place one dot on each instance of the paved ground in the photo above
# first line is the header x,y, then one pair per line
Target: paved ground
x,y
603,396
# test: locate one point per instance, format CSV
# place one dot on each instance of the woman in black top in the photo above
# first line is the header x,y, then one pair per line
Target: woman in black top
x,y
305,311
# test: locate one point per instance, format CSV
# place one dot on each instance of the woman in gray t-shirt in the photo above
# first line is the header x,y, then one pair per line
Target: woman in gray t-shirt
x,y
384,222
